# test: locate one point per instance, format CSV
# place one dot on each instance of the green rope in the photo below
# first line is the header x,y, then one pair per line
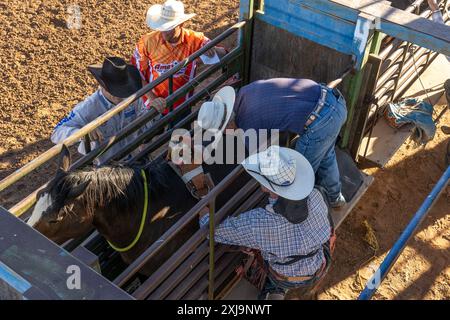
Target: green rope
x,y
144,216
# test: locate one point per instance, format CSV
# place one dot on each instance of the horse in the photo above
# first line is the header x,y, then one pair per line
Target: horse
x,y
111,198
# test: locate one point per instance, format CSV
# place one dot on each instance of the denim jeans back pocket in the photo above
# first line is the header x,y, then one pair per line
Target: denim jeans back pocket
x,y
324,129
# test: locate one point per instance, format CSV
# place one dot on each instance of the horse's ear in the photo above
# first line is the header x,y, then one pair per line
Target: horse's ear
x,y
64,159
77,190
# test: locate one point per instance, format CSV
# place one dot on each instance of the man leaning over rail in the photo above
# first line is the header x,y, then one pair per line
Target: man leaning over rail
x,y
118,80
293,233
162,49
300,106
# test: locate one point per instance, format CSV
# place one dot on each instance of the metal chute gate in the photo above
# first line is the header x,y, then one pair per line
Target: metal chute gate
x,y
371,65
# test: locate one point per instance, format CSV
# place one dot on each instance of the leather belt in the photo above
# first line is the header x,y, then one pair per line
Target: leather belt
x,y
286,278
297,279
319,106
323,95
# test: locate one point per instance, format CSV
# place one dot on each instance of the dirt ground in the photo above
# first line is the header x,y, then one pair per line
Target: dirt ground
x,y
43,68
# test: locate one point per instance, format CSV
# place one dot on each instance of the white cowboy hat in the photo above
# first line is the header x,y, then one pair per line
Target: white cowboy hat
x,y
282,170
215,114
167,16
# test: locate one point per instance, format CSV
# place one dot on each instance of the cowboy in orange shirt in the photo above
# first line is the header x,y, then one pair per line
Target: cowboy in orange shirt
x,y
162,49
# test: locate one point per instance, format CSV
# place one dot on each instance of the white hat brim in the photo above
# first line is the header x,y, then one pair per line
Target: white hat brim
x,y
227,96
304,179
155,22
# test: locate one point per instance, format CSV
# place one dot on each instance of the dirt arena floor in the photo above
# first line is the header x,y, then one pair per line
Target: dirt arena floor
x,y
43,68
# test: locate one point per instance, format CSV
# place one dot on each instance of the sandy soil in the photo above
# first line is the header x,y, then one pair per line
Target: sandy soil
x,y
423,270
43,68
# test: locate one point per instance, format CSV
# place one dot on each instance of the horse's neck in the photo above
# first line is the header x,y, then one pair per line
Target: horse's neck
x,y
114,222
164,209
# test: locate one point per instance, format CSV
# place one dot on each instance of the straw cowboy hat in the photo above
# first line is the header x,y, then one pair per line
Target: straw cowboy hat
x,y
282,170
215,114
117,77
167,16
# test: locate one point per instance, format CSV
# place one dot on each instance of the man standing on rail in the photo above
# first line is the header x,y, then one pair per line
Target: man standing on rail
x,y
299,106
293,235
118,80
169,44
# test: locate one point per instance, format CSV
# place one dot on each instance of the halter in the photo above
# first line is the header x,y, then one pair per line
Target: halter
x,y
144,216
188,177
206,182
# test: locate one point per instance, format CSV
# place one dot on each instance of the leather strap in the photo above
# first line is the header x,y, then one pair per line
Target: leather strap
x,y
189,183
188,176
286,278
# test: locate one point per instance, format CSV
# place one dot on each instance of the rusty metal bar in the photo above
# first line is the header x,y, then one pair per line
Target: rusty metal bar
x,y
181,254
400,68
230,57
405,81
55,150
26,203
388,75
137,264
180,285
333,84
225,266
198,273
212,211
182,271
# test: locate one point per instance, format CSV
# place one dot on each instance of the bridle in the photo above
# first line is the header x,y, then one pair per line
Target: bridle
x,y
197,182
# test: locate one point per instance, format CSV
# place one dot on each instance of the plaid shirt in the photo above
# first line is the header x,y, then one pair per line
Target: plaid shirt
x,y
277,238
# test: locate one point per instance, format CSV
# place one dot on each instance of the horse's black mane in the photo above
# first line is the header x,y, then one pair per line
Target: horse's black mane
x,y
114,184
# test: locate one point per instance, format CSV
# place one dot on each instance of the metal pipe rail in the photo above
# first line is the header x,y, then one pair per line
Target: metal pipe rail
x,y
397,42
397,249
184,269
399,71
26,203
56,150
136,265
153,131
186,249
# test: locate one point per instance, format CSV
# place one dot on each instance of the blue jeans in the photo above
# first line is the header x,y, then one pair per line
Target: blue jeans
x,y
318,140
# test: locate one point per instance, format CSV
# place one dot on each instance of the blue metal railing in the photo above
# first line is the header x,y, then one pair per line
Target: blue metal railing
x,y
375,281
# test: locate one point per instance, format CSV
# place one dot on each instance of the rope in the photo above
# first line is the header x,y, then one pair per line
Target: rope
x,y
144,216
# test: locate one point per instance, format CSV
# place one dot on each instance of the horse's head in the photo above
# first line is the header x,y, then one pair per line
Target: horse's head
x,y
188,158
59,214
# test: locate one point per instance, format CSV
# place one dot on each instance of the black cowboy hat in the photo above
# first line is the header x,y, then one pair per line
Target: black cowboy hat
x,y
117,77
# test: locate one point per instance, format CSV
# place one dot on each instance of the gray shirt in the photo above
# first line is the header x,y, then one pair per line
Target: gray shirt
x,y
90,109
